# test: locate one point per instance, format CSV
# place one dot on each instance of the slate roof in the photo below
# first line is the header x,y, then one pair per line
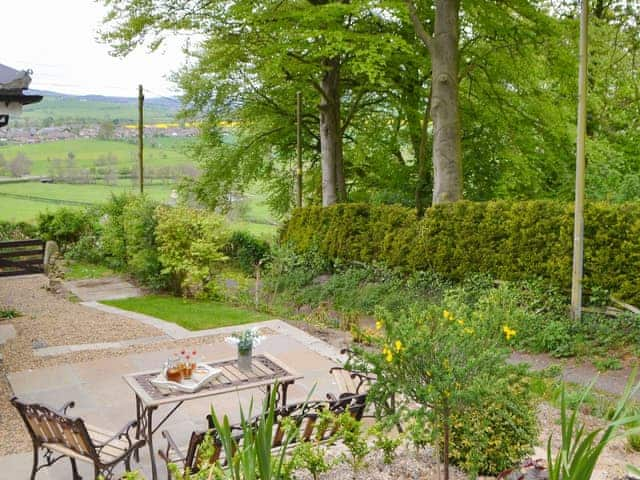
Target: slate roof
x,y
13,80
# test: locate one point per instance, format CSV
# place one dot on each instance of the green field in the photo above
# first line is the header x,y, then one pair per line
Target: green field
x,y
159,152
40,197
190,314
62,109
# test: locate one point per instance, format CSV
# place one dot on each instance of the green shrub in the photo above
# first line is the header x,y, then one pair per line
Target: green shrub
x,y
113,238
139,225
17,230
508,240
497,429
66,226
453,368
247,250
190,244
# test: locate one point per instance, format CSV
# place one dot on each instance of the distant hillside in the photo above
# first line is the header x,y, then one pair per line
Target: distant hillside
x,y
60,108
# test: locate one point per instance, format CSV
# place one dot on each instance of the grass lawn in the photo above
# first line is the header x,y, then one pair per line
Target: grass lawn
x,y
190,314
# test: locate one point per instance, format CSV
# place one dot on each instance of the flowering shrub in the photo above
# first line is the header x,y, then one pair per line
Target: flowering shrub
x,y
439,361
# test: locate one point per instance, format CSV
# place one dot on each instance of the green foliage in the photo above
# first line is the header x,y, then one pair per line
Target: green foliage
x,y
190,244
7,313
508,240
581,448
354,439
452,366
312,458
386,443
17,230
65,226
247,251
252,457
139,225
497,429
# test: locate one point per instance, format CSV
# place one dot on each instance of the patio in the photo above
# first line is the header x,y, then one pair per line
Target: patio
x,y
105,400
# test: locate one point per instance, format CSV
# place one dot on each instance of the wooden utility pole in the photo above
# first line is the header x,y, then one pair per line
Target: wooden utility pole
x,y
578,227
299,149
141,137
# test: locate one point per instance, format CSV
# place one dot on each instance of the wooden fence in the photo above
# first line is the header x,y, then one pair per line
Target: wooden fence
x,y
21,257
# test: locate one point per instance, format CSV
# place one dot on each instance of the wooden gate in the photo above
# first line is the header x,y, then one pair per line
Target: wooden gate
x,y
21,257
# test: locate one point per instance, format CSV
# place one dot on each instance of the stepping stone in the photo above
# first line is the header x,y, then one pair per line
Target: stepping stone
x,y
109,288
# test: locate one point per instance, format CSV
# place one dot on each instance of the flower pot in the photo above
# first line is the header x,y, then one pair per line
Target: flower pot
x,y
244,359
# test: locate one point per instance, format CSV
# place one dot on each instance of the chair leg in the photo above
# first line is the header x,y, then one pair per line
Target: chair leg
x,y
35,463
74,469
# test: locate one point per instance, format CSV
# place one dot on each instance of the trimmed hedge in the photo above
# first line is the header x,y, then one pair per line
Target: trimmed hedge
x,y
507,239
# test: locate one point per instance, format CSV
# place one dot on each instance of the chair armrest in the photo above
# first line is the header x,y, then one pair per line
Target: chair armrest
x,y
171,445
123,433
63,410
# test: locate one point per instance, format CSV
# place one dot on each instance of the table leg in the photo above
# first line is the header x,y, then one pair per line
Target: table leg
x,y
154,472
139,420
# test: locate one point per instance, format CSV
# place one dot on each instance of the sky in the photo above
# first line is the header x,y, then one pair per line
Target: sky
x,y
57,40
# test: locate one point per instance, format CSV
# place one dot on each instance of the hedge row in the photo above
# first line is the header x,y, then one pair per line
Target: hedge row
x,y
510,240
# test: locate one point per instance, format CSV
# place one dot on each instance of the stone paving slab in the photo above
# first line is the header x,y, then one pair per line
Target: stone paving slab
x,y
104,399
108,288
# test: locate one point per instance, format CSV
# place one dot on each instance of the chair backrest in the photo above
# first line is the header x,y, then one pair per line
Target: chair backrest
x,y
305,416
45,425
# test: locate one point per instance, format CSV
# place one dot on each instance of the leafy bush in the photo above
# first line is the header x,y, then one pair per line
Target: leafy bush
x,y
17,231
508,240
190,244
139,225
497,429
452,367
113,238
247,250
66,226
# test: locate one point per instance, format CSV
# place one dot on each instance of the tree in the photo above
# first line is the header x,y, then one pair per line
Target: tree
x,y
444,50
20,165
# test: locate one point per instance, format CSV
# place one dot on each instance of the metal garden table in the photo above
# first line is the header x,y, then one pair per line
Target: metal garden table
x,y
265,371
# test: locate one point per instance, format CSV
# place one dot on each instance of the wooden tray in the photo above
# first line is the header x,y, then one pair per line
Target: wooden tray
x,y
202,374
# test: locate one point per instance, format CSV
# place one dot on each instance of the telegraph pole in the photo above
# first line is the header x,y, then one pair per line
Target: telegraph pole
x,y
578,227
141,137
299,149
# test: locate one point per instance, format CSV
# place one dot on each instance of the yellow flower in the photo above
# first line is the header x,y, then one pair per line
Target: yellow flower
x,y
398,345
379,325
447,314
508,332
469,330
388,354
460,322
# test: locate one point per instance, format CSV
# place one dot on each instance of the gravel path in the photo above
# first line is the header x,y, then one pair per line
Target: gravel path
x,y
52,320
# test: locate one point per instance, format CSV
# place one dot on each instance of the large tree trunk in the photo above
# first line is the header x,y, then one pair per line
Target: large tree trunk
x,y
447,151
333,184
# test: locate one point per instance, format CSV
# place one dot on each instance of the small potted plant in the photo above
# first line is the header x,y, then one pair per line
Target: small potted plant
x,y
245,341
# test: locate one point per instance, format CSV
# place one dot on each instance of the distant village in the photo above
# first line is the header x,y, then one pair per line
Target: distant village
x,y
104,131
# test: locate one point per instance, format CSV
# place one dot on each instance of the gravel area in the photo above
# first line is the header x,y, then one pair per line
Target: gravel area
x,y
50,319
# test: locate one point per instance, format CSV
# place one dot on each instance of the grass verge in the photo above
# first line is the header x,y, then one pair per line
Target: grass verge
x,y
190,314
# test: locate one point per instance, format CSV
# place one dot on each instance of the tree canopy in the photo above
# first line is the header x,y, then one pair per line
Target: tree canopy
x,y
366,72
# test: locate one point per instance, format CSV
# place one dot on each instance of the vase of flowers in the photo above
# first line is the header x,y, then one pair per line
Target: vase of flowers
x,y
245,341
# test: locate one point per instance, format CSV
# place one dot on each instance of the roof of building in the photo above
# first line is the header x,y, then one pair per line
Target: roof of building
x,y
11,79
